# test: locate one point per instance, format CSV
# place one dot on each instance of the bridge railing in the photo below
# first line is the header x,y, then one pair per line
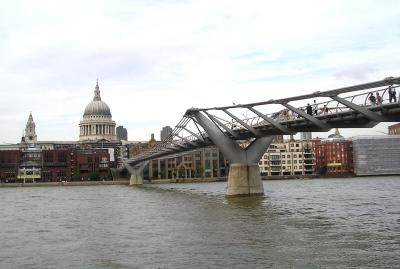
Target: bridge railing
x,y
284,115
187,137
322,108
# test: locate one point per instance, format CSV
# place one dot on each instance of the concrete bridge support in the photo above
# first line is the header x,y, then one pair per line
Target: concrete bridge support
x,y
244,177
136,179
136,173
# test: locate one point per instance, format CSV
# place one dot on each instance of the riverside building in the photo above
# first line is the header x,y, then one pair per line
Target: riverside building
x,y
376,155
394,129
284,158
201,163
334,156
93,157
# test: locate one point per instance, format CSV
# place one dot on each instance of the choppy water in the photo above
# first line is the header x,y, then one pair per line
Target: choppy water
x,y
330,223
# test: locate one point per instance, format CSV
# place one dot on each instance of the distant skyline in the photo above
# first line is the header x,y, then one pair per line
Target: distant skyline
x,y
155,59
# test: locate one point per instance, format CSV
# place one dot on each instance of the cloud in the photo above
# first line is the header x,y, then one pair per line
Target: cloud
x,y
155,59
358,72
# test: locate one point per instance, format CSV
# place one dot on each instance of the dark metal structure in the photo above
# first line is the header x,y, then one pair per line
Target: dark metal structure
x,y
349,107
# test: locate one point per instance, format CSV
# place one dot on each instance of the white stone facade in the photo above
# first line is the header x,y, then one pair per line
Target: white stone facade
x,y
30,131
288,158
97,123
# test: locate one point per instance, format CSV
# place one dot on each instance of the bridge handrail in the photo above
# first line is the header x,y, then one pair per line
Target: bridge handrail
x,y
330,110
283,116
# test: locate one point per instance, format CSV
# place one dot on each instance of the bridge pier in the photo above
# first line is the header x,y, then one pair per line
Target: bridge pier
x,y
244,177
136,180
244,180
136,173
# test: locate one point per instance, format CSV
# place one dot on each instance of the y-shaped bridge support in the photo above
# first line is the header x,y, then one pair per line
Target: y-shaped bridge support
x,y
136,172
244,174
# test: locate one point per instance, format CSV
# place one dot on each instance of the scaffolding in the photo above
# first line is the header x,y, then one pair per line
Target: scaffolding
x,y
376,155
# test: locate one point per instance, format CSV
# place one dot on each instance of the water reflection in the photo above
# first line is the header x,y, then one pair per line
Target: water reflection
x,y
349,223
245,202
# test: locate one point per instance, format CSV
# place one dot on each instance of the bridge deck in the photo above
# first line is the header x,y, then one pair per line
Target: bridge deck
x,y
354,111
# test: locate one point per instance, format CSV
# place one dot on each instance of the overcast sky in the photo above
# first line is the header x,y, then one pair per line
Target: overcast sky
x,y
155,59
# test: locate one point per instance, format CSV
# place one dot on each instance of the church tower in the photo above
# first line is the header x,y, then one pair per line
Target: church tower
x,y
30,133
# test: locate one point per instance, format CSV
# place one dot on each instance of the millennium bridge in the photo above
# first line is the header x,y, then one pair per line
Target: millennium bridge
x,y
257,124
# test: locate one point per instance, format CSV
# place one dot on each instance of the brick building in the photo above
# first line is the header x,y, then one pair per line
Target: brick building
x,y
9,163
90,164
56,164
334,156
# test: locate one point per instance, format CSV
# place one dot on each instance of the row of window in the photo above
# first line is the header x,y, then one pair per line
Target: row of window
x,y
265,168
277,157
283,162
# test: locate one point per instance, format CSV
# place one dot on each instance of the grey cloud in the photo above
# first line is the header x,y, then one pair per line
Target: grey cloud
x,y
358,72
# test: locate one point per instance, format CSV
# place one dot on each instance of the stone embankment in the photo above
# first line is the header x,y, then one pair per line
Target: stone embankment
x,y
65,183
154,181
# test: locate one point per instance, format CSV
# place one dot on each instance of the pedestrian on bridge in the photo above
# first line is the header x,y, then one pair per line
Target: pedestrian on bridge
x,y
392,94
378,99
372,99
309,109
315,108
324,109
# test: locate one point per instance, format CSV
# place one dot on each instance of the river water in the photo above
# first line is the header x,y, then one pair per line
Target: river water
x,y
319,223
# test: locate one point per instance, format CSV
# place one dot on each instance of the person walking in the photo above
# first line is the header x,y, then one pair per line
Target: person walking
x,y
315,108
324,109
309,109
394,94
378,99
390,90
372,99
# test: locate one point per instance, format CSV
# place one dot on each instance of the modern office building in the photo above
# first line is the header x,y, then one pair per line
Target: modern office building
x,y
122,133
306,135
165,132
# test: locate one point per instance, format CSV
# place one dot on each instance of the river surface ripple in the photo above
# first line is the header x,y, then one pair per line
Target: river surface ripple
x,y
319,223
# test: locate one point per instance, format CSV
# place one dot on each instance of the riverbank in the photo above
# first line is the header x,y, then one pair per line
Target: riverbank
x,y
64,183
160,181
186,180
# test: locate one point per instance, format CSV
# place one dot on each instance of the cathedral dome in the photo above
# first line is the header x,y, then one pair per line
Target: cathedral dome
x,y
97,123
97,107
